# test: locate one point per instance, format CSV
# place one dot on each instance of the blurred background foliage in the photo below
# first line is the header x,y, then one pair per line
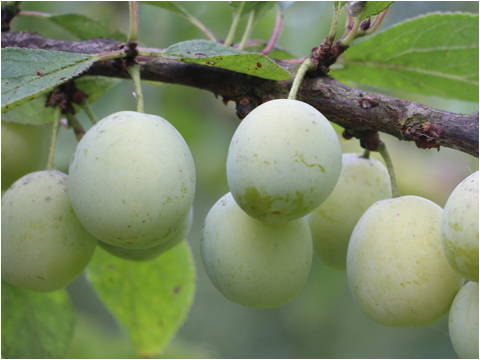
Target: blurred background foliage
x,y
323,321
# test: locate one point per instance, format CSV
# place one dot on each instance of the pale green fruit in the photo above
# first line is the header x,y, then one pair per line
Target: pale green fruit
x,y
132,180
24,150
463,322
44,246
283,162
460,228
362,182
153,252
253,263
396,267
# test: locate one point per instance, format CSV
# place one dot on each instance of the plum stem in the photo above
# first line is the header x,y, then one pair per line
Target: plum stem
x,y
88,110
382,149
307,65
134,72
53,142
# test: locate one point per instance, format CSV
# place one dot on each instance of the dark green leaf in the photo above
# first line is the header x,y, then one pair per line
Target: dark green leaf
x,y
27,73
242,8
374,7
35,325
210,53
85,28
435,54
150,299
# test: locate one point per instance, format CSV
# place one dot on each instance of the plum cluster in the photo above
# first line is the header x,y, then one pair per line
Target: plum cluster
x,y
293,193
130,189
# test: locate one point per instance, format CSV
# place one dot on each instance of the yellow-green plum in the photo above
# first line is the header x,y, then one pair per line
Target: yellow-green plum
x,y
463,321
362,182
24,150
396,268
153,252
44,245
283,161
460,228
253,263
132,180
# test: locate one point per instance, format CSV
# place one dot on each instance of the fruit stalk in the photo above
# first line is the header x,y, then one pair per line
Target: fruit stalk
x,y
134,72
382,149
53,143
88,110
307,65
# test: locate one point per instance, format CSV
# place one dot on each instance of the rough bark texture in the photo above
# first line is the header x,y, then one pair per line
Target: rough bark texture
x,y
361,113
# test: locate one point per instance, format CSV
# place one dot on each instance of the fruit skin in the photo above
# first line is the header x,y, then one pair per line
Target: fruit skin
x,y
156,251
132,180
44,246
362,182
283,161
253,263
460,228
24,150
463,321
396,268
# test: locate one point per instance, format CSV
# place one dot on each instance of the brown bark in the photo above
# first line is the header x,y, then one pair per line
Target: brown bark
x,y
360,112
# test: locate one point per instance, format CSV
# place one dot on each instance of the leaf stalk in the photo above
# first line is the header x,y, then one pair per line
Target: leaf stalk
x,y
133,11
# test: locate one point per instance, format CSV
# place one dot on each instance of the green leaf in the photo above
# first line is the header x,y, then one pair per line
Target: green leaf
x,y
150,299
27,73
435,54
262,9
242,8
169,6
210,53
374,7
85,28
33,112
35,325
96,86
176,9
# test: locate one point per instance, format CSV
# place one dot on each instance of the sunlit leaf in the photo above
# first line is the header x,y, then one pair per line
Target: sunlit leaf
x,y
35,325
210,53
151,299
435,54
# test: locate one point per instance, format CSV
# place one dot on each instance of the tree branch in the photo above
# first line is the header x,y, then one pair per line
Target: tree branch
x,y
360,112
